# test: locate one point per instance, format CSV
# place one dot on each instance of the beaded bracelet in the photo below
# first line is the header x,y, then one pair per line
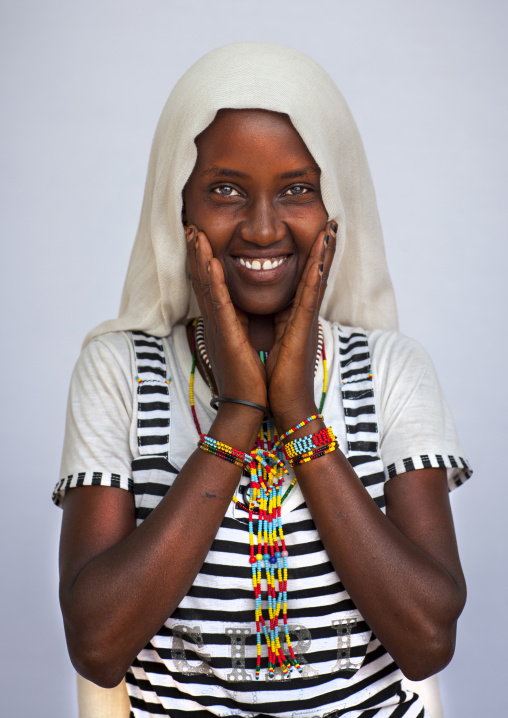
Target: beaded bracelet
x,y
320,451
266,459
308,443
223,451
299,426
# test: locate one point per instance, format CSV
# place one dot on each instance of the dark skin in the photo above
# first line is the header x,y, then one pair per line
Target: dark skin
x,y
254,195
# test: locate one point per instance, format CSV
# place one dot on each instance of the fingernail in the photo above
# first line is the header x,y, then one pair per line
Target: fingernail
x,y
327,239
333,228
189,232
208,266
321,267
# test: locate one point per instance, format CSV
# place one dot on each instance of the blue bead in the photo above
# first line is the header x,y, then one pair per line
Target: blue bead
x,y
273,559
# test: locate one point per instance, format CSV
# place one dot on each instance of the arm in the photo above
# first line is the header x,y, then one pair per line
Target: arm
x,y
119,583
402,570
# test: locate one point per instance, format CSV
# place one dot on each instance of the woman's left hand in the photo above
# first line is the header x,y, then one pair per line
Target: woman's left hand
x,y
290,364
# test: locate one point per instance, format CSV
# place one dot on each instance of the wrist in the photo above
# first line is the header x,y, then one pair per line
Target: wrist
x,y
291,416
237,425
216,401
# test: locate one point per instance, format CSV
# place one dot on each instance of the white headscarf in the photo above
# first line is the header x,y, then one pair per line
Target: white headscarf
x,y
157,291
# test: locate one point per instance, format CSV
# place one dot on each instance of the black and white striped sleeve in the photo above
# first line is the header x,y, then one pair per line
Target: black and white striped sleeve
x,y
99,434
416,427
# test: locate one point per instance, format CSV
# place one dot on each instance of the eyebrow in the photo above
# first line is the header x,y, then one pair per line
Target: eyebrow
x,y
223,172
292,174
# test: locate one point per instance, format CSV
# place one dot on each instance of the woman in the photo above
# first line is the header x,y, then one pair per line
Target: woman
x,y
212,579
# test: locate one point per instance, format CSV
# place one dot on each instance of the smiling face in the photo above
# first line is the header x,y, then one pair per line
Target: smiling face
x,y
255,192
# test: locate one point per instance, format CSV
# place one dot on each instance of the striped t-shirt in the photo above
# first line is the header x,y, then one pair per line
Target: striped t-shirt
x,y
202,661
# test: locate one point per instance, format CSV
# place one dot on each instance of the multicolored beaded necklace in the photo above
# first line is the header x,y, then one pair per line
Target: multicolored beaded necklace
x,y
265,500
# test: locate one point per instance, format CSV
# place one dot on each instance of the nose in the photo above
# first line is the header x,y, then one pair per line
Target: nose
x,y
262,224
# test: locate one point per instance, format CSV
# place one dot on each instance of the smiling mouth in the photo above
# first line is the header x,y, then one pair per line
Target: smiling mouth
x,y
261,264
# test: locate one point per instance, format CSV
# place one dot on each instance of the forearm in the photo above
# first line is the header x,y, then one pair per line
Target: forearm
x,y
408,598
119,599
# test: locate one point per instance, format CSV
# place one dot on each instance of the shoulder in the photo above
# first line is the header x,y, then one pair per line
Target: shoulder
x,y
396,357
416,428
395,347
403,373
113,348
401,368
104,367
391,352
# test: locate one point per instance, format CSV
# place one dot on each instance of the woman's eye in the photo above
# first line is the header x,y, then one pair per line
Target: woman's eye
x,y
225,190
296,190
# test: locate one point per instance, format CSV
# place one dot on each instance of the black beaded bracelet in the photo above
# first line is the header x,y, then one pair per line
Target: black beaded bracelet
x,y
214,403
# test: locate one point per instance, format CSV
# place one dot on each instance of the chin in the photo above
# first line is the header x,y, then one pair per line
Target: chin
x,y
261,308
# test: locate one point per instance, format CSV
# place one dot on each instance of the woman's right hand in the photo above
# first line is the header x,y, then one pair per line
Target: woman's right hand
x,y
237,368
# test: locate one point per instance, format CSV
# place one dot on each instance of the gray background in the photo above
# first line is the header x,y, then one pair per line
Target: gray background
x,y
82,88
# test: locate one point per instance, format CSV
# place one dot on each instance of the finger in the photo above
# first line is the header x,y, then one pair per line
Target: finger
x,y
203,257
280,321
219,294
243,319
306,312
232,324
318,253
303,318
223,308
301,329
190,233
330,244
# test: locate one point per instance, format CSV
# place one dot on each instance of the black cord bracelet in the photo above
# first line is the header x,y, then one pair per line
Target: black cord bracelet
x,y
214,403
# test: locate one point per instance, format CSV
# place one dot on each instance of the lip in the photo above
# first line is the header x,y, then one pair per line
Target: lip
x,y
262,275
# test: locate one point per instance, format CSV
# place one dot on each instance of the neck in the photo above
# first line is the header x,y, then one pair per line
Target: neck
x,y
261,331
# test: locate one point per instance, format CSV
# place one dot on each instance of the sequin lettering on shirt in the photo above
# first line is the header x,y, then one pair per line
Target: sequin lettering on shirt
x,y
344,626
237,637
183,633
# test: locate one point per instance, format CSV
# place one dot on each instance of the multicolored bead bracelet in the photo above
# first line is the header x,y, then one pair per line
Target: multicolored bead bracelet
x,y
223,451
321,451
308,443
299,426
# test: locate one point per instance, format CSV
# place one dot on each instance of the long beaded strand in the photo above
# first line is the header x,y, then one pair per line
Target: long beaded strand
x,y
265,503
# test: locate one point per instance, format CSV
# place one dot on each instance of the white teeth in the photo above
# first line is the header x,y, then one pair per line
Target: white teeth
x,y
256,264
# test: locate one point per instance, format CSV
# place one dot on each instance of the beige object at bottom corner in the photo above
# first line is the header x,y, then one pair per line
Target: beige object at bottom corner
x,y
97,702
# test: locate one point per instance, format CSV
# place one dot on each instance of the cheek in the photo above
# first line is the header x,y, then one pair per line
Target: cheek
x,y
219,236
305,232
217,228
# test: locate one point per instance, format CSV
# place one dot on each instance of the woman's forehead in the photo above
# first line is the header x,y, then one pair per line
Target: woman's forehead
x,y
251,132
